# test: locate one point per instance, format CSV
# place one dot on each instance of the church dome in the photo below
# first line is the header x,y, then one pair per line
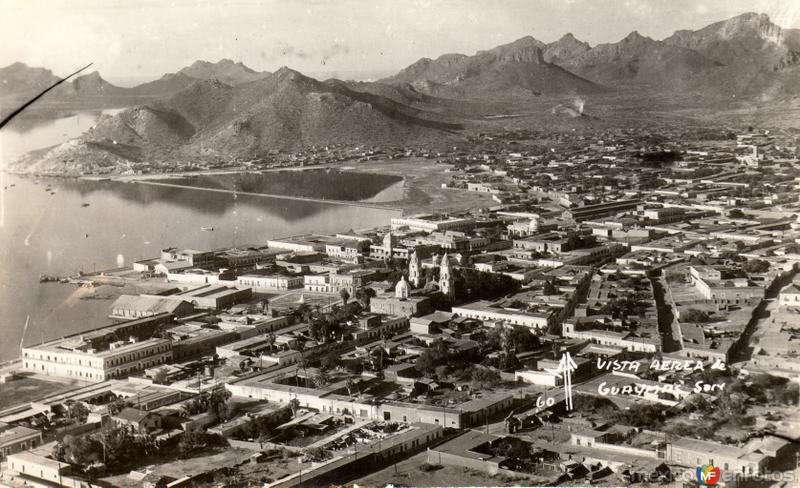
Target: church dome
x,y
402,288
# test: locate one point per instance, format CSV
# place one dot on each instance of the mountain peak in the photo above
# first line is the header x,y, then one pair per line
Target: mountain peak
x,y
525,49
17,65
94,75
635,37
747,38
287,72
226,70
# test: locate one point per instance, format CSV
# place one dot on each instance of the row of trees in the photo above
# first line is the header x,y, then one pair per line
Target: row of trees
x,y
214,402
114,446
471,284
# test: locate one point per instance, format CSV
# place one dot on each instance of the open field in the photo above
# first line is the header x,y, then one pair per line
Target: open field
x,y
407,473
176,468
27,389
423,180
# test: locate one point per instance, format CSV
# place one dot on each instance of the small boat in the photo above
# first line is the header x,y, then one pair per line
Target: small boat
x,y
211,228
85,204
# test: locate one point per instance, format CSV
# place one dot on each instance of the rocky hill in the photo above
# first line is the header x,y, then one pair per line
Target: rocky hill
x,y
210,119
19,78
226,71
515,69
746,56
638,59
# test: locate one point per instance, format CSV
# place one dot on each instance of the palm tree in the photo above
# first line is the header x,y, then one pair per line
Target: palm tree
x,y
294,404
321,379
350,384
302,363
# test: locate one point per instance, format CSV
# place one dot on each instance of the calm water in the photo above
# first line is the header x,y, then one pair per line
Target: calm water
x,y
330,184
55,234
24,135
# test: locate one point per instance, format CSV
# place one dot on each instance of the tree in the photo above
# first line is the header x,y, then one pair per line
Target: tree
x,y
735,213
317,454
378,356
161,376
301,364
116,406
196,440
350,385
522,339
695,315
218,403
330,361
471,284
484,377
78,411
364,295
425,363
756,266
270,338
550,288
294,404
431,357
320,379
345,295
644,415
81,450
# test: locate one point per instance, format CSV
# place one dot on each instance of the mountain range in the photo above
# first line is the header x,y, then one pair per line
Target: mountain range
x,y
759,55
227,110
284,110
19,80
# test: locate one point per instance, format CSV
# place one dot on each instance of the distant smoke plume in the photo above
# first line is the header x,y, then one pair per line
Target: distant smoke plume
x,y
579,103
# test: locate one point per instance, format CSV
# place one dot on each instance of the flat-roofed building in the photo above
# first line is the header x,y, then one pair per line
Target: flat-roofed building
x,y
14,439
216,297
346,248
716,286
128,307
270,281
74,358
246,258
304,243
53,472
604,209
100,354
628,340
190,340
730,459
412,306
488,312
431,223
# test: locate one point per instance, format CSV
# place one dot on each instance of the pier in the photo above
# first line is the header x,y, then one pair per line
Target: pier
x,y
374,205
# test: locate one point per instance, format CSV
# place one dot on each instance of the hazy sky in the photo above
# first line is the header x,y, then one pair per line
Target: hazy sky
x,y
144,39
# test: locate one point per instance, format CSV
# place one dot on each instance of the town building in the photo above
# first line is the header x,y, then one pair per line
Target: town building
x,y
14,439
129,307
490,313
100,354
